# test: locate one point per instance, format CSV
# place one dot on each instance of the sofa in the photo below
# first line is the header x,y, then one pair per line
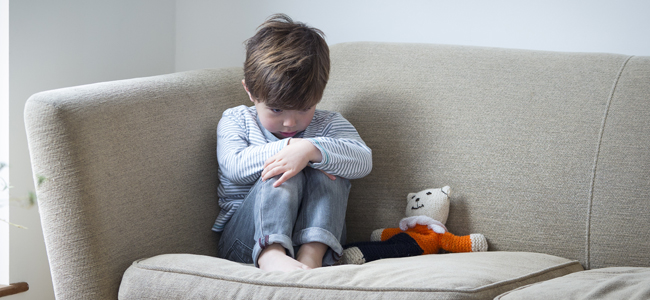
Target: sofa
x,y
547,154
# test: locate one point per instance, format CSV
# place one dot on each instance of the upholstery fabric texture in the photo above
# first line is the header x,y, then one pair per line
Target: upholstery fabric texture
x,y
607,283
544,151
480,275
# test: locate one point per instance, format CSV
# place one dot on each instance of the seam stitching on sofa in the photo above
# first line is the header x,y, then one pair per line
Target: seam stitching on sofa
x,y
594,170
495,285
534,275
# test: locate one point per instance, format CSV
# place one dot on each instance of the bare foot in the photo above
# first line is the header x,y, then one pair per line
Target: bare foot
x,y
311,254
274,258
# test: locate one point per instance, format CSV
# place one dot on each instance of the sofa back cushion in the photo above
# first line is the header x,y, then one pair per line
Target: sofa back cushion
x,y
544,151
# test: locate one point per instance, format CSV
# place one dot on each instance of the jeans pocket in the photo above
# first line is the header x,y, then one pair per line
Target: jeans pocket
x,y
239,252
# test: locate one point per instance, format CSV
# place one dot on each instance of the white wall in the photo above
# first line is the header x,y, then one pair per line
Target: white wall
x,y
210,33
63,43
4,138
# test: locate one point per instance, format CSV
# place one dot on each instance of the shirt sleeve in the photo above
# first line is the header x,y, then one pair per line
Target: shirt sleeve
x,y
344,152
241,160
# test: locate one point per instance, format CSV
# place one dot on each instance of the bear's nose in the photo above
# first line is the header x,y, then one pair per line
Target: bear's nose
x,y
417,199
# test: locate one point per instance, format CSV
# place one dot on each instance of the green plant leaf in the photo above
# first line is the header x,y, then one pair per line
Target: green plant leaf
x,y
40,179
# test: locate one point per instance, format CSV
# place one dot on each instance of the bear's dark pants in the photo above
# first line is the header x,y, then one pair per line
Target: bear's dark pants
x,y
400,245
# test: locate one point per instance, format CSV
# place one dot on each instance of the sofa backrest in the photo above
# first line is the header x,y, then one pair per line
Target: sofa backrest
x,y
545,152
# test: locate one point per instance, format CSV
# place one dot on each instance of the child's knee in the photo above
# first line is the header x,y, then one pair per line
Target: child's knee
x,y
295,182
339,183
321,177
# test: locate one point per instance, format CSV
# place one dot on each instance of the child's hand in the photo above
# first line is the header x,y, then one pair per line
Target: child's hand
x,y
291,160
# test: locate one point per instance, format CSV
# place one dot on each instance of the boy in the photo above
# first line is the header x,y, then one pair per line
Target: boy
x,y
284,166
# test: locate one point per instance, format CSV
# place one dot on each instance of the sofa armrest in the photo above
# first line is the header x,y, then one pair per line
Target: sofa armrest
x,y
131,172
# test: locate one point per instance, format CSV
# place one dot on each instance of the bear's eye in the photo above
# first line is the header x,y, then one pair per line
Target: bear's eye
x,y
412,196
429,193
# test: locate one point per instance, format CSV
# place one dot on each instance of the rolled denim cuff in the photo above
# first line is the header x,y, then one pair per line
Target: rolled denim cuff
x,y
316,234
267,240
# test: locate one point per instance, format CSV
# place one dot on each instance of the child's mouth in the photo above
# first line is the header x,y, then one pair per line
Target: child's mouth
x,y
288,134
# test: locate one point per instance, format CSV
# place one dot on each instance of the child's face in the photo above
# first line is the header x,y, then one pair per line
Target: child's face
x,y
283,123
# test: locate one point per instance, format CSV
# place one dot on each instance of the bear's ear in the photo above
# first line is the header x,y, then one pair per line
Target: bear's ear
x,y
446,190
409,196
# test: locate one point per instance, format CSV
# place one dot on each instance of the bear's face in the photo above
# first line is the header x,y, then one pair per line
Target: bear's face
x,y
433,203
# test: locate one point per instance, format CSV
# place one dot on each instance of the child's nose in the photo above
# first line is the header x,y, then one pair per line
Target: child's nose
x,y
289,122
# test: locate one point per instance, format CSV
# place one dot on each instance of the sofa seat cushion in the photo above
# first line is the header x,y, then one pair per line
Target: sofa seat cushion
x,y
479,275
607,283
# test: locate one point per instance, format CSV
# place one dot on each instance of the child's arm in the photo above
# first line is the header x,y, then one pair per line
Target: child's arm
x,y
290,160
343,151
337,150
239,159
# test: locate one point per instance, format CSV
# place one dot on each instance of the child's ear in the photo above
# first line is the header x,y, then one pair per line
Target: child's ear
x,y
243,82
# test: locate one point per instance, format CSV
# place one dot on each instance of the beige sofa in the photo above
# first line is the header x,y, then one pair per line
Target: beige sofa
x,y
547,155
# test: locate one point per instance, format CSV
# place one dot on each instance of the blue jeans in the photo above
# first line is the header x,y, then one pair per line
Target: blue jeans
x,y
309,207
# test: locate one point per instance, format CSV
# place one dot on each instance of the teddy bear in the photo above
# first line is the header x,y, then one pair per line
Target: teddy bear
x,y
423,231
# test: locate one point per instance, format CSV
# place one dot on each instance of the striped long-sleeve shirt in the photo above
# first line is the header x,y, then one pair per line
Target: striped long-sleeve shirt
x,y
243,145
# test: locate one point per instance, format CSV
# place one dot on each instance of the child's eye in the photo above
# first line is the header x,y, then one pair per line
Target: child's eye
x,y
275,110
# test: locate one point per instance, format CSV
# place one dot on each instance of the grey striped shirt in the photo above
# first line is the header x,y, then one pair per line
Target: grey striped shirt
x,y
243,145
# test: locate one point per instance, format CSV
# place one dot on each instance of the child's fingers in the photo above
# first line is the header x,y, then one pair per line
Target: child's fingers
x,y
283,178
269,161
270,171
279,182
265,173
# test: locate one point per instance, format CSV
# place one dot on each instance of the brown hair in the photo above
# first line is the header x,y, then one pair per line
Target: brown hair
x,y
287,64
